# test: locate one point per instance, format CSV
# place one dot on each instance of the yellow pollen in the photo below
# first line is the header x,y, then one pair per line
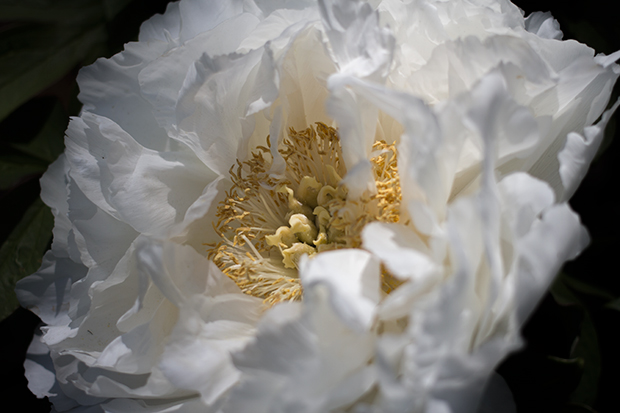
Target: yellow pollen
x,y
268,223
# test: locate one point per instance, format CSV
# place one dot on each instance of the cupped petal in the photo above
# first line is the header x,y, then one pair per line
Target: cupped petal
x,y
196,229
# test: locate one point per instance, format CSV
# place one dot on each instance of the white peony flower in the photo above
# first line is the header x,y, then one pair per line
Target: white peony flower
x,y
312,207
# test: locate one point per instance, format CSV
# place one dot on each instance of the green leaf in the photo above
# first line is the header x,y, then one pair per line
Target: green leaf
x,y
32,57
21,253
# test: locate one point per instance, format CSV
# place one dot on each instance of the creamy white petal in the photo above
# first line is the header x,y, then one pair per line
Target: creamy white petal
x,y
315,363
212,106
559,234
215,319
360,45
578,153
543,25
402,250
161,80
352,276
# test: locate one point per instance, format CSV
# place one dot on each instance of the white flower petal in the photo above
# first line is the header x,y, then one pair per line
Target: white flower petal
x,y
110,88
105,161
211,105
353,276
162,79
315,363
402,250
162,27
215,319
543,25
578,153
558,237
361,47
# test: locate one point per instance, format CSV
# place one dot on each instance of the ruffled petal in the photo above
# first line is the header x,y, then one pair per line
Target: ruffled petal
x,y
215,318
314,358
162,79
105,162
110,88
579,152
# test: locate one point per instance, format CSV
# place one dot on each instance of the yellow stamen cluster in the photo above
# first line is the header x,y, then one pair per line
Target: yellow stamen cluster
x,y
267,223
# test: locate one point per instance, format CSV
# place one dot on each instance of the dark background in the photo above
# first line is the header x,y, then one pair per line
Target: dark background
x,y
570,362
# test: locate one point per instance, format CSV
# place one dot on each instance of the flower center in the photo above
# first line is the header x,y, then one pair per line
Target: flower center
x,y
268,222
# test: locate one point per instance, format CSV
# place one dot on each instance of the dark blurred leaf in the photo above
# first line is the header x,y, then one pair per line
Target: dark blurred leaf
x,y
567,374
21,253
541,383
566,291
61,11
15,168
49,142
561,291
587,348
614,305
26,159
577,408
33,57
582,287
113,7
